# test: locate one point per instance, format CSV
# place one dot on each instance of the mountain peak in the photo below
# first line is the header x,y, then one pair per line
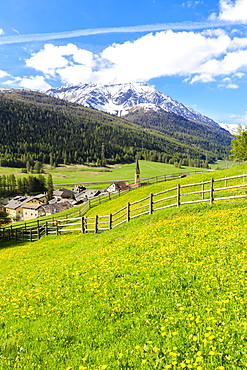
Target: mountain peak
x,y
119,99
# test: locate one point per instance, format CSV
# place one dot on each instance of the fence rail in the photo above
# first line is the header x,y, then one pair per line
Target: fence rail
x,y
232,188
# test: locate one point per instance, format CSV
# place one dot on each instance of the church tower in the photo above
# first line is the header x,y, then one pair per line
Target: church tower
x,y
137,173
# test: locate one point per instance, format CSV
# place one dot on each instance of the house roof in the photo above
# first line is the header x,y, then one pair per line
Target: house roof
x,y
63,193
21,200
18,202
90,193
120,184
32,206
39,196
56,207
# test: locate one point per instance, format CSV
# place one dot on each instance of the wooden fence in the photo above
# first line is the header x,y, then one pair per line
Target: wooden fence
x,y
224,189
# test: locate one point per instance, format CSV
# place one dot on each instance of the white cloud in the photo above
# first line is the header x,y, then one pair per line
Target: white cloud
x,y
203,77
165,53
229,86
199,57
68,62
191,4
232,86
34,83
239,75
240,118
47,59
75,74
233,11
153,55
1,31
3,74
16,31
226,66
227,79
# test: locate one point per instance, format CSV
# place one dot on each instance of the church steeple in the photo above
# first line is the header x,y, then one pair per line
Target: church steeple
x,y
137,173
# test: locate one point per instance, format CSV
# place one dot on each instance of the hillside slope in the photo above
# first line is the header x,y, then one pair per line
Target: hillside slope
x,y
196,134
37,127
165,291
142,192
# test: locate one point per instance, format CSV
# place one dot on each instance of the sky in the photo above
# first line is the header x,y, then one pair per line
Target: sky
x,y
193,51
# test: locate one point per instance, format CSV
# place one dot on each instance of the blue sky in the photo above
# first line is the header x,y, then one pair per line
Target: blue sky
x,y
194,51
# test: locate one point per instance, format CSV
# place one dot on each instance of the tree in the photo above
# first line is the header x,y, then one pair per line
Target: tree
x,y
38,167
239,145
50,187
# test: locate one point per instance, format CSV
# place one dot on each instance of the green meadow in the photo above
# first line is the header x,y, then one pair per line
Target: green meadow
x,y
65,174
166,291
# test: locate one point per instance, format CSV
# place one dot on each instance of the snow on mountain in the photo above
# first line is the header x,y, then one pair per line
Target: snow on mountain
x,y
232,128
118,99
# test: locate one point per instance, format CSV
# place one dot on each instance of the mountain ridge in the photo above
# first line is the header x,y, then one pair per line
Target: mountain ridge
x,y
37,127
119,99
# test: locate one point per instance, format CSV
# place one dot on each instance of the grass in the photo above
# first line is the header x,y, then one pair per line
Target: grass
x,y
143,192
65,174
132,196
223,164
166,291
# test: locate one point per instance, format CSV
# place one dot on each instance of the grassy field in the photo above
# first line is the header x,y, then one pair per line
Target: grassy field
x,y
80,173
222,165
166,291
144,191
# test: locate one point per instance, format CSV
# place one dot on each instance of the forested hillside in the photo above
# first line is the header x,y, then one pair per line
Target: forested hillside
x,y
35,127
187,131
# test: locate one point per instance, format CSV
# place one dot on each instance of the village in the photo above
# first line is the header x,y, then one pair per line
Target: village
x,y
26,207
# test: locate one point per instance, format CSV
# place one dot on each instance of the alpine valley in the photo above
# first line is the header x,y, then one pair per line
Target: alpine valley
x,y
99,124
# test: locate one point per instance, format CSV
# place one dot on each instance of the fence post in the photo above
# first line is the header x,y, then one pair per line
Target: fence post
x,y
16,231
110,221
203,190
82,225
22,230
151,203
30,232
128,212
178,195
212,191
96,224
85,224
38,233
46,228
57,227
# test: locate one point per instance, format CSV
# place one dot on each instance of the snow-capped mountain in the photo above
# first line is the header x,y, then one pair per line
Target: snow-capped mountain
x,y
119,99
232,128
